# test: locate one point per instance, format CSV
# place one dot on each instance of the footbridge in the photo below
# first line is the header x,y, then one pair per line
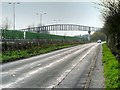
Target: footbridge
x,y
61,27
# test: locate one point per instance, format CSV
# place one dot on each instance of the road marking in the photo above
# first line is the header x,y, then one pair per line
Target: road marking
x,y
36,66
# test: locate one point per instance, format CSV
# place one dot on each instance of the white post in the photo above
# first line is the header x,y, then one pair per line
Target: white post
x,y
24,34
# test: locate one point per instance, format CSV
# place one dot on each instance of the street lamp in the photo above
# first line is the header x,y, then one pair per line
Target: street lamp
x,y
13,3
40,17
56,21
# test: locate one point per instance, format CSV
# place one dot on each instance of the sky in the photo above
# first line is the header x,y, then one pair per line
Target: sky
x,y
81,12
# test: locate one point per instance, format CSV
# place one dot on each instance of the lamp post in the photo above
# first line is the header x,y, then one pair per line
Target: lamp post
x,y
56,21
40,17
13,3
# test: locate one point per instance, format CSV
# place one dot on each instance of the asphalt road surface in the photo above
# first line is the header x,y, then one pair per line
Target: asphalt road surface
x,y
65,68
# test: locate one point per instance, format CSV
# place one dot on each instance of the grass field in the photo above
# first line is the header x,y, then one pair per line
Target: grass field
x,y
111,69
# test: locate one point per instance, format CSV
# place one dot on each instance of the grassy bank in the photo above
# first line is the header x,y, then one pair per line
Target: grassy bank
x,y
111,69
19,54
16,34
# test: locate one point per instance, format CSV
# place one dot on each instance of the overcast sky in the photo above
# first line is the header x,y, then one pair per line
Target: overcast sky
x,y
81,12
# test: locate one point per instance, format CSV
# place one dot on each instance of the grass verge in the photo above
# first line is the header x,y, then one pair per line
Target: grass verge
x,y
111,68
19,54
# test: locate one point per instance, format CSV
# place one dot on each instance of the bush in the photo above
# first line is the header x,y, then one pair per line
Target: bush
x,y
9,56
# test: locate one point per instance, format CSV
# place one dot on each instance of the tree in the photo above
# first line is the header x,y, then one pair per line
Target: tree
x,y
6,24
98,35
111,16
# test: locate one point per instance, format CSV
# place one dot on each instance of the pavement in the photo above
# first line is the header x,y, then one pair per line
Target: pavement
x,y
65,68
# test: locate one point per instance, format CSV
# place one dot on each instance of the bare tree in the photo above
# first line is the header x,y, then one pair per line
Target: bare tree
x,y
111,15
6,24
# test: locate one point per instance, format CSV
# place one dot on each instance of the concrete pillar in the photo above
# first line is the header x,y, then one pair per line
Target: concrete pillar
x,y
66,27
45,28
70,27
48,28
58,27
40,29
61,27
77,27
73,27
82,28
54,27
51,28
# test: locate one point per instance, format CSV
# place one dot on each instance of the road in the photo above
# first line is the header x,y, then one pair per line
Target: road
x,y
65,68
